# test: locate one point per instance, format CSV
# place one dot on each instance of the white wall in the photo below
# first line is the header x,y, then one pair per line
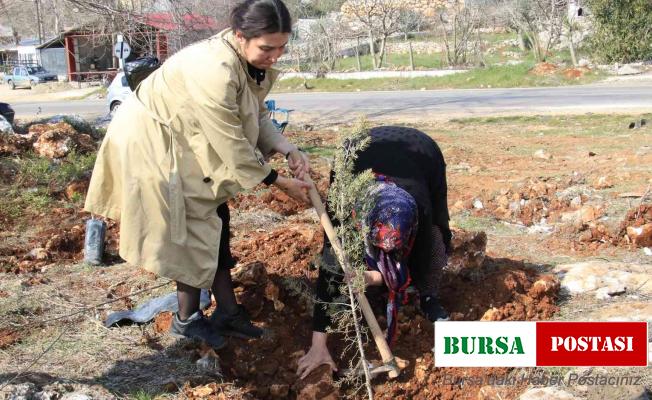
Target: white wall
x,y
28,54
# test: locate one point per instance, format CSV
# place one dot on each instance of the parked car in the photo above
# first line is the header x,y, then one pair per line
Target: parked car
x,y
29,77
118,92
7,112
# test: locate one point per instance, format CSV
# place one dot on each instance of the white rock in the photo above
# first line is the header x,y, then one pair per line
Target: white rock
x,y
548,393
647,251
643,151
607,292
570,216
209,363
24,391
39,254
542,155
76,396
46,395
576,202
584,277
583,62
5,127
627,70
463,166
477,204
542,227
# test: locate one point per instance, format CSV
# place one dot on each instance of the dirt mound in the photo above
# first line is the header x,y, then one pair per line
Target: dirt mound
x,y
60,238
12,145
287,249
272,198
8,337
544,68
57,140
528,203
48,140
266,284
275,199
575,73
503,290
468,250
636,228
318,385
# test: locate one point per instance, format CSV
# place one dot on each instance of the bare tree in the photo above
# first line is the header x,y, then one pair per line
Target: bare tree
x,y
111,16
459,26
411,21
539,21
380,19
318,42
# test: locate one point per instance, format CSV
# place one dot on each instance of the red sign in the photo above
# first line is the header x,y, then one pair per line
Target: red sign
x,y
579,344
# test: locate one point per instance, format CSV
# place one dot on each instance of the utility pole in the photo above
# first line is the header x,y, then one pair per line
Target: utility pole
x,y
39,22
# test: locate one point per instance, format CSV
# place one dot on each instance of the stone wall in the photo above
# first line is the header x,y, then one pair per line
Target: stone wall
x,y
417,47
426,7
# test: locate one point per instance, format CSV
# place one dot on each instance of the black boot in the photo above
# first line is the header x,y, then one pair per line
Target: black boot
x,y
432,309
197,327
236,325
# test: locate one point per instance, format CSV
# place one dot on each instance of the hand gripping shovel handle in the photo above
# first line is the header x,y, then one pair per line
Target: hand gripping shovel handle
x,y
379,338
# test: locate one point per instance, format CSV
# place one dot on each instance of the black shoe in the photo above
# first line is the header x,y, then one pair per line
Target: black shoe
x,y
236,325
197,327
433,310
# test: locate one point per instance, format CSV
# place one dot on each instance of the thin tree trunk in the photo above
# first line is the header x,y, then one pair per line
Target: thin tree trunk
x,y
333,58
57,18
38,21
357,54
571,46
411,56
521,40
381,53
371,50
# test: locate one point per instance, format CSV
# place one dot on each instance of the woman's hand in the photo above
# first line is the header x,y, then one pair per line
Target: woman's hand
x,y
299,163
371,278
316,356
294,188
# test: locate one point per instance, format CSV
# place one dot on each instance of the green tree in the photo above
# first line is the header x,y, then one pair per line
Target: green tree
x,y
623,29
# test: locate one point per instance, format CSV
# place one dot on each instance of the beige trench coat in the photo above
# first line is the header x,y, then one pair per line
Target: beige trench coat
x,y
184,143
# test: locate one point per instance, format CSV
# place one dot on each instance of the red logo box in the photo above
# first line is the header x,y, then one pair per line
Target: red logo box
x,y
592,344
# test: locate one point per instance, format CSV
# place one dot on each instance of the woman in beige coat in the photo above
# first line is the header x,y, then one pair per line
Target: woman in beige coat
x,y
194,134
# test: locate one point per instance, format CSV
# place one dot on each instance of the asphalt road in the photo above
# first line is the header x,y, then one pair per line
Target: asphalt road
x,y
334,107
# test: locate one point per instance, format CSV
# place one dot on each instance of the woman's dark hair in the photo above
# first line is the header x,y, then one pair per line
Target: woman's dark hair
x,y
255,18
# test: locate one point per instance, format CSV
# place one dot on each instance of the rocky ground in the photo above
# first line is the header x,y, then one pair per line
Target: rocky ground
x,y
552,219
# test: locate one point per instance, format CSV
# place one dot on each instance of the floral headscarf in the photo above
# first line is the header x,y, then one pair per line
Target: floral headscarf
x,y
393,223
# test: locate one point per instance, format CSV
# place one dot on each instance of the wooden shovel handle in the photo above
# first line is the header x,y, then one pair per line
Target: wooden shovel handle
x,y
379,338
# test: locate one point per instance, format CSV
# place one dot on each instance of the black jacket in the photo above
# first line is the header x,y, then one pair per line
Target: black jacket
x,y
414,162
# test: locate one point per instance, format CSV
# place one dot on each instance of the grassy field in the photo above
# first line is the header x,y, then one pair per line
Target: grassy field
x,y
494,50
503,76
501,64
398,60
